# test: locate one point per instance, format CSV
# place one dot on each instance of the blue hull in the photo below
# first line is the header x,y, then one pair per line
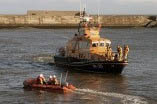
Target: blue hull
x,y
115,67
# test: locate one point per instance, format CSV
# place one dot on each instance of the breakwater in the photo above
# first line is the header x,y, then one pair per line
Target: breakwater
x,y
52,19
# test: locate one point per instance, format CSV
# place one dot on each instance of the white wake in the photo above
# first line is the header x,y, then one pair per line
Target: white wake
x,y
125,99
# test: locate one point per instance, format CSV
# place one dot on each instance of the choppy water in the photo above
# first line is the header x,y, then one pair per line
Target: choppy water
x,y
136,85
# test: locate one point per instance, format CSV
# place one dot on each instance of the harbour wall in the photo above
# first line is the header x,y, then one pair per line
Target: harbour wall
x,y
59,20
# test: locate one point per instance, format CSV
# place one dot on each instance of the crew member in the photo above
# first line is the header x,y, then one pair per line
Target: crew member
x,y
116,57
120,52
118,48
109,53
41,79
113,56
54,80
126,51
50,81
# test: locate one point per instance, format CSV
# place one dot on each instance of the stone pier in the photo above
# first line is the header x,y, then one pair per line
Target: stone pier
x,y
53,19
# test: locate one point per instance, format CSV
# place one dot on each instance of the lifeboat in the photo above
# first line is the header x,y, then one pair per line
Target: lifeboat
x,y
88,51
31,83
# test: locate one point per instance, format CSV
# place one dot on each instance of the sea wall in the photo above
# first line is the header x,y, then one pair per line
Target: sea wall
x,y
124,20
51,21
35,21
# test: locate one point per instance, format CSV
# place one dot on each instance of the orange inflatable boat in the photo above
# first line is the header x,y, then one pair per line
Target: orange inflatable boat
x,y
32,84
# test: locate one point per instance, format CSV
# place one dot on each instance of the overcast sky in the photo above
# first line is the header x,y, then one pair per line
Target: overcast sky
x,y
105,6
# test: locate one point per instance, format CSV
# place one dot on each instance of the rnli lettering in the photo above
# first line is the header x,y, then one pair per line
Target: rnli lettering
x,y
98,66
94,66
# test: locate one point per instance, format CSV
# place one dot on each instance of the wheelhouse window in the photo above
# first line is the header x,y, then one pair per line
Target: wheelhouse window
x,y
95,44
102,44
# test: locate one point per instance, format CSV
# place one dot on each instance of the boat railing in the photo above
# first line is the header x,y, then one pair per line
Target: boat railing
x,y
104,57
60,51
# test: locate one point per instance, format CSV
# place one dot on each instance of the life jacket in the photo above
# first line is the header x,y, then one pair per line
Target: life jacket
x,y
40,80
55,81
50,81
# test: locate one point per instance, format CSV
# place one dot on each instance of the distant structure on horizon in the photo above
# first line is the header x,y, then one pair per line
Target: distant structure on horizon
x,y
52,13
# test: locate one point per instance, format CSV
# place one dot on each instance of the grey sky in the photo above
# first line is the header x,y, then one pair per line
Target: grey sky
x,y
106,6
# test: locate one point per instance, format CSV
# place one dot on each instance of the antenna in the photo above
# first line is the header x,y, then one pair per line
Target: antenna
x,y
98,10
61,80
66,76
80,8
85,5
84,12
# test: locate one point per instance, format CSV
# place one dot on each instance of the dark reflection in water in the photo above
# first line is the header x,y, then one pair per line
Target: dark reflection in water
x,y
19,49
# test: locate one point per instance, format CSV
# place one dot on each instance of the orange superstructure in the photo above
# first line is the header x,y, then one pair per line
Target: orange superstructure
x,y
88,45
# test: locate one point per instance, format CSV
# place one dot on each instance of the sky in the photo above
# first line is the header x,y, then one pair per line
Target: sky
x,y
93,6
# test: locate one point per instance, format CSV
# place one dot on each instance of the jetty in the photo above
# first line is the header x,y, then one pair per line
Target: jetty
x,y
70,19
